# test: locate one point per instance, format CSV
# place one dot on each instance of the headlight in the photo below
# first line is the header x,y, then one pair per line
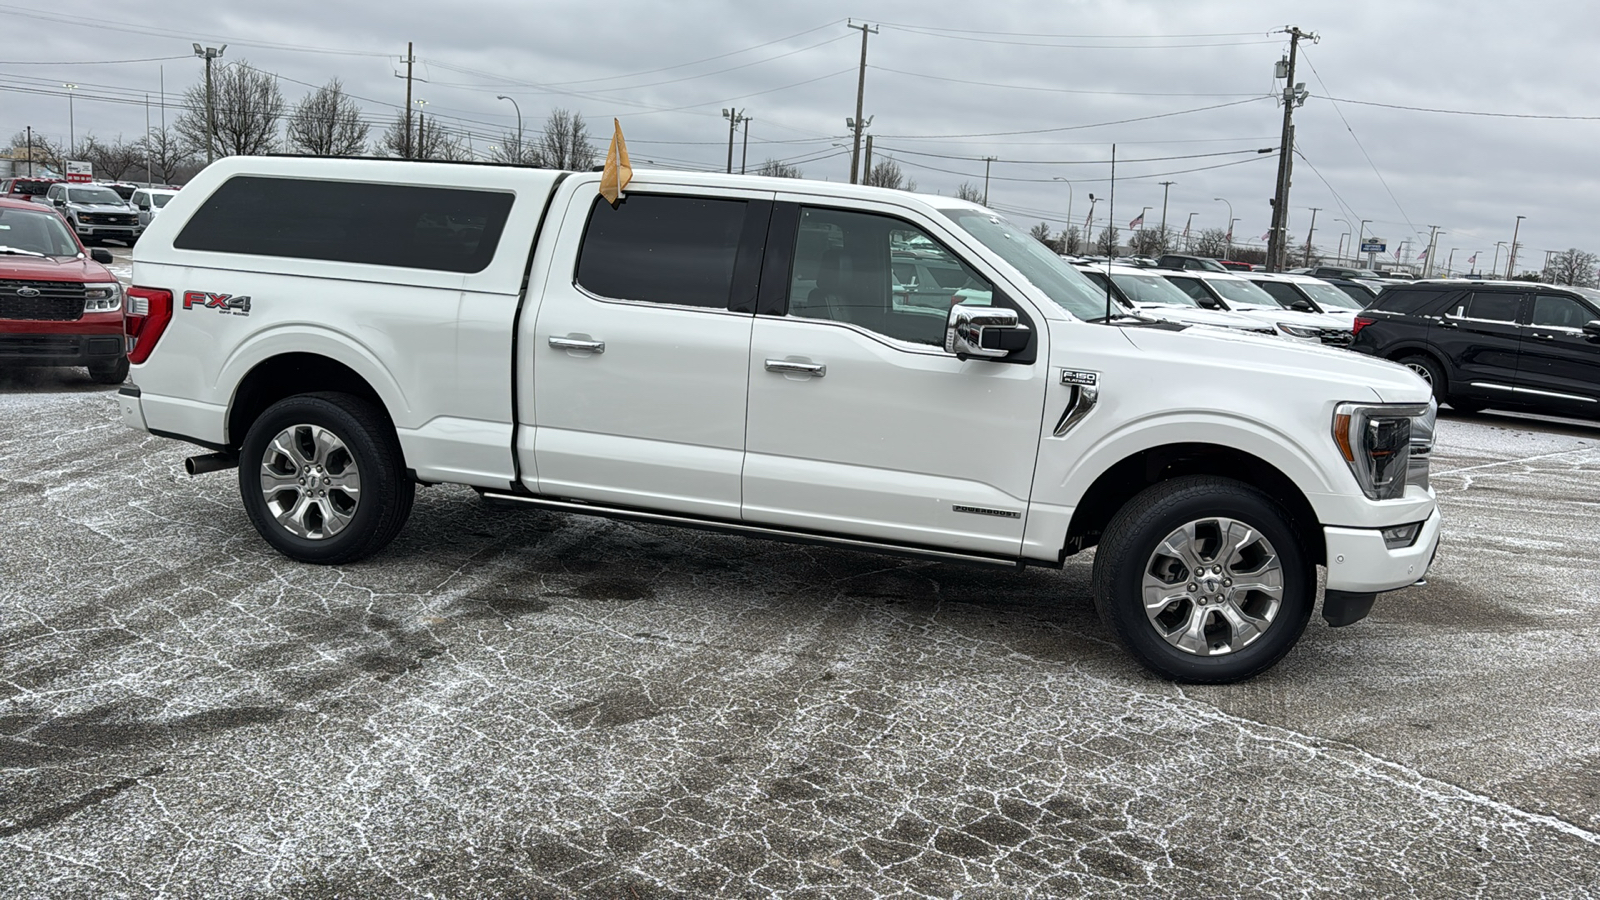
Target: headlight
x,y
1300,331
102,297
1375,441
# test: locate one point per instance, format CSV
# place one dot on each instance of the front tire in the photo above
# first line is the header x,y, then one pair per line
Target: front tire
x,y
323,480
114,372
1204,580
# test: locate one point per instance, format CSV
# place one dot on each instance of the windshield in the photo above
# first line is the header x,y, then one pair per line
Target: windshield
x,y
160,200
1152,289
1039,264
93,195
1330,297
1239,292
35,232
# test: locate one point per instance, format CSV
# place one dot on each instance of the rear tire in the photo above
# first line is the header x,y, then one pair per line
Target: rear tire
x,y
115,372
323,479
1170,580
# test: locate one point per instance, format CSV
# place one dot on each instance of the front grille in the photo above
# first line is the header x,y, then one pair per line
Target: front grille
x,y
1338,337
106,219
57,301
38,345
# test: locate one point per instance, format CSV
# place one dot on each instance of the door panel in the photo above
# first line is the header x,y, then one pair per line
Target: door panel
x,y
1480,339
1558,358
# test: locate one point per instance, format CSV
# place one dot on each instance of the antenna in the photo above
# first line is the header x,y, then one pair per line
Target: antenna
x,y
1111,246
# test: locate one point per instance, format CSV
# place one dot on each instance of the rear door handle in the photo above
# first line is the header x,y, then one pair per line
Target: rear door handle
x,y
789,367
1544,337
570,343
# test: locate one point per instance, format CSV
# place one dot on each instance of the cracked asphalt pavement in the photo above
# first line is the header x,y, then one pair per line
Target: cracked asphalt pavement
x,y
515,703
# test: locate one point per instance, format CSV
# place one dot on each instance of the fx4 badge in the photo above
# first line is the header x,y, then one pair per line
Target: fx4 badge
x,y
227,304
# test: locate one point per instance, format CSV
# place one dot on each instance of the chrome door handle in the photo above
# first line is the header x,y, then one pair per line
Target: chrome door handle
x,y
796,368
1544,337
567,343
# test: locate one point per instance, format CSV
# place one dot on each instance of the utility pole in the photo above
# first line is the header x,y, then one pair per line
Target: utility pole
x,y
861,93
744,155
1166,186
1294,94
866,162
986,161
1314,211
405,149
208,54
1450,262
30,151
1511,260
1187,240
1495,266
1433,243
734,117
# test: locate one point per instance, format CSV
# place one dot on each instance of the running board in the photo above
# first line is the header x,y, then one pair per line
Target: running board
x,y
762,531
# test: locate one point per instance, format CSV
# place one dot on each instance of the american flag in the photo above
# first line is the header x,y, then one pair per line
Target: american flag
x,y
1137,222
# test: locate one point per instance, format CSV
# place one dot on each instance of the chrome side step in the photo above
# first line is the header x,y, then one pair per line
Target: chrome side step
x,y
762,531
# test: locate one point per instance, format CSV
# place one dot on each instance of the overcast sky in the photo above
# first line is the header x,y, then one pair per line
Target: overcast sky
x,y
1045,88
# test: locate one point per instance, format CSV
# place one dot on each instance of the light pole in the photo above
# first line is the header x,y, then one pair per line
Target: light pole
x,y
1495,266
1069,196
208,54
744,155
1231,220
72,139
1341,242
421,147
1449,262
1511,255
1166,188
856,176
1088,223
1361,237
1186,238
518,108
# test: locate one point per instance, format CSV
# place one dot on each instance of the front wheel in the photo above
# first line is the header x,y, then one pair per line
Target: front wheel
x,y
1204,580
322,478
112,372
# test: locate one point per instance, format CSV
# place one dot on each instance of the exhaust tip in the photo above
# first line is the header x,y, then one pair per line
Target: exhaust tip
x,y
210,462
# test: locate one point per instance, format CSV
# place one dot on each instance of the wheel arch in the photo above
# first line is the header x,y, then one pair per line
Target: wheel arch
x,y
285,375
1126,478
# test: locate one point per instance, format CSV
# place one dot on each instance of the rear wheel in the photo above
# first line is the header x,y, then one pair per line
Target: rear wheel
x,y
1204,580
111,372
323,479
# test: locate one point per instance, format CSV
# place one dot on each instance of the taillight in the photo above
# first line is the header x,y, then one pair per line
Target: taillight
x,y
149,311
1361,322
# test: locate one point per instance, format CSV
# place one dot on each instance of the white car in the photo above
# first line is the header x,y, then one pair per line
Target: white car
x,y
1147,292
729,352
1308,293
148,202
1218,290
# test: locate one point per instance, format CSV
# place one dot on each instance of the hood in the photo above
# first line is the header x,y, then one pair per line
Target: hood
x,y
99,207
1198,316
1278,358
1295,317
34,268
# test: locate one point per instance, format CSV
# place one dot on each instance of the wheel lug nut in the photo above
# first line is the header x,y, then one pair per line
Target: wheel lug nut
x,y
1193,588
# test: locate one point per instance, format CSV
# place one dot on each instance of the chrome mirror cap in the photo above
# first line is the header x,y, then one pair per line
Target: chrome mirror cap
x,y
964,330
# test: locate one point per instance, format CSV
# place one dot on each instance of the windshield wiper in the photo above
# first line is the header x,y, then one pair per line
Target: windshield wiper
x,y
19,251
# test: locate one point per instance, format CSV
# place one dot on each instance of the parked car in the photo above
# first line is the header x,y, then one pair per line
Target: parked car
x,y
1505,344
26,187
1362,290
705,351
148,202
1308,294
1182,261
95,211
1233,265
123,188
1150,294
1224,290
59,306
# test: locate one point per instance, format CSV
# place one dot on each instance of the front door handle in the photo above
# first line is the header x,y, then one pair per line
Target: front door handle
x,y
570,343
1544,337
789,367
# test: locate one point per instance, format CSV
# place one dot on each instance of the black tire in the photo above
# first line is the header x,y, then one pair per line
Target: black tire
x,y
115,372
1127,552
1431,372
366,441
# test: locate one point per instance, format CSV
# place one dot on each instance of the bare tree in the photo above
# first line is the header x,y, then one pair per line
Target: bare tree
x,y
327,122
886,173
772,168
1109,240
246,107
1573,266
47,154
565,143
512,149
166,155
1211,243
429,141
111,161
1041,233
1148,242
969,191
1071,240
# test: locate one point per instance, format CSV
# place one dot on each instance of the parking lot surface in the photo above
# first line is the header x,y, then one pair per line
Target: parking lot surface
x,y
510,703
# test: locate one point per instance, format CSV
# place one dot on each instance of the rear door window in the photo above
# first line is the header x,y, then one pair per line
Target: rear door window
x,y
443,229
668,249
1285,294
1486,306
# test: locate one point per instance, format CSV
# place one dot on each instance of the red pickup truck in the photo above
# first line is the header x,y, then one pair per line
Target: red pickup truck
x,y
59,305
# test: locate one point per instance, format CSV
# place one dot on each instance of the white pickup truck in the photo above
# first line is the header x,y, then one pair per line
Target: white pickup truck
x,y
737,353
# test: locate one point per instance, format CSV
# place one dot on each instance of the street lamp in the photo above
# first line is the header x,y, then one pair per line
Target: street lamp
x,y
1361,236
1511,255
1186,238
72,140
1495,266
1088,223
208,54
1069,196
1140,218
1341,242
518,108
1231,220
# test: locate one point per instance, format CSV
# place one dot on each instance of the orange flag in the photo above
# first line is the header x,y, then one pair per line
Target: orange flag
x,y
618,171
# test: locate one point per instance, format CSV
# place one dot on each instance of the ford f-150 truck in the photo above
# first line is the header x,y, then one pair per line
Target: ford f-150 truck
x,y
731,352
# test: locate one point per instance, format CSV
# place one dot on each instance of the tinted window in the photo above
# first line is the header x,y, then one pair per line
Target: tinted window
x,y
1403,300
1560,312
1492,307
1283,293
843,272
444,229
1190,286
95,195
662,249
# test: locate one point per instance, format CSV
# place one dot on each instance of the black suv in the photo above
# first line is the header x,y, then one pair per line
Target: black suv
x,y
1506,344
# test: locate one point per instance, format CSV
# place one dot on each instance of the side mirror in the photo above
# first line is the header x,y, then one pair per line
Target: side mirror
x,y
59,202
1302,306
984,332
100,255
1592,329
1208,302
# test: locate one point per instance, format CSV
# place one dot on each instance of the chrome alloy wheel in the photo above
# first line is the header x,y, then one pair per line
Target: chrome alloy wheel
x,y
310,481
1213,586
1422,372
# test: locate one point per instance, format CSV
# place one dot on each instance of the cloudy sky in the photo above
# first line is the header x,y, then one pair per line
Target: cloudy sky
x,y
1462,115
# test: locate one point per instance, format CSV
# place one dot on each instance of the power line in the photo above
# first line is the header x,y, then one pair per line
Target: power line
x,y
95,62
1020,87
1463,112
1059,46
1073,36
1088,180
698,61
131,28
1076,162
1181,112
